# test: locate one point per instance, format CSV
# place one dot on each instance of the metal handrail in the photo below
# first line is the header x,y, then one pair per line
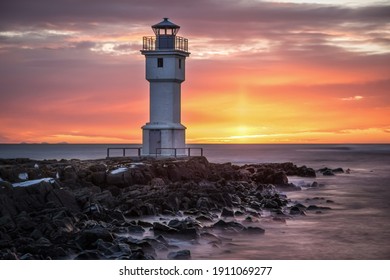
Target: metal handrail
x,y
157,151
149,43
175,151
124,151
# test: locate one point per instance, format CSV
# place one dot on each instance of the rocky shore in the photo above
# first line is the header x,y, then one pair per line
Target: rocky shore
x,y
122,208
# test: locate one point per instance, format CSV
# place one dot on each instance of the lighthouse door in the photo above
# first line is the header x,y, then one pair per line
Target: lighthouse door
x,y
155,141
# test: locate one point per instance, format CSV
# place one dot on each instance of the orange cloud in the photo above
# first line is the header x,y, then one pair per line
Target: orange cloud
x,y
259,72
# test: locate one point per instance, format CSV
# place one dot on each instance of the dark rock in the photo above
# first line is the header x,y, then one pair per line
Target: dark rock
x,y
269,204
338,170
315,207
300,206
28,256
227,212
90,255
187,226
116,214
157,182
204,218
36,234
120,251
203,203
98,178
135,228
228,225
254,230
6,186
161,228
304,171
180,255
98,167
279,178
43,243
328,173
238,213
8,255
88,237
116,179
296,211
69,174
145,224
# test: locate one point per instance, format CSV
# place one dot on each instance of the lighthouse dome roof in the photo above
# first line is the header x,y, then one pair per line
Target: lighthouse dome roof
x,y
165,24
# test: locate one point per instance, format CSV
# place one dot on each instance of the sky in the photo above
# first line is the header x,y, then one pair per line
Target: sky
x,y
289,71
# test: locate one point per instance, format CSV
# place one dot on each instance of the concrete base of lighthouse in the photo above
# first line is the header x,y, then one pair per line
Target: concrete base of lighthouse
x,y
165,139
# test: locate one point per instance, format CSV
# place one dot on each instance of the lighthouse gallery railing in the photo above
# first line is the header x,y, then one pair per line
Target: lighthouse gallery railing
x,y
168,42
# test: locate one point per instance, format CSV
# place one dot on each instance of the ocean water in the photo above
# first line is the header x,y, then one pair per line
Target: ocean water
x,y
356,227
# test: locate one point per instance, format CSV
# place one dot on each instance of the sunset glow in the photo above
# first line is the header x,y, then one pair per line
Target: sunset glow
x,y
259,71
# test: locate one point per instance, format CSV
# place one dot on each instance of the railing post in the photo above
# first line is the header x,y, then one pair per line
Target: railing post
x,y
108,152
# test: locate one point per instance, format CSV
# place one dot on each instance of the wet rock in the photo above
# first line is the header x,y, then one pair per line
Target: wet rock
x,y
28,256
98,167
203,203
88,237
279,178
180,255
328,173
221,224
186,227
134,228
120,251
315,207
204,218
98,178
161,228
69,173
90,255
226,212
116,179
157,182
296,211
8,255
338,170
145,224
304,171
36,234
5,186
83,214
254,230
269,204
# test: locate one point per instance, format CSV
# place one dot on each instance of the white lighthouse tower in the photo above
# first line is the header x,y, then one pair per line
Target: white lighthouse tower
x,y
165,56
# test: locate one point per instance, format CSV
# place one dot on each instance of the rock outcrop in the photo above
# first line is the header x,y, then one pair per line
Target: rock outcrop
x,y
72,209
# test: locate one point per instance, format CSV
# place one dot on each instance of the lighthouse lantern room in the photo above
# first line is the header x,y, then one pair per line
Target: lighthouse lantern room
x,y
165,55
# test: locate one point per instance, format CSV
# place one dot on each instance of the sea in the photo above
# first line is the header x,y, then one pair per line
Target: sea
x,y
356,227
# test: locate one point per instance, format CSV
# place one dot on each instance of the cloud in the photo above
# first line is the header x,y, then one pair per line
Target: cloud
x,y
72,62
353,98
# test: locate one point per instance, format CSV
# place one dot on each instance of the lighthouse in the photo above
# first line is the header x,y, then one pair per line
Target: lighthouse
x,y
165,55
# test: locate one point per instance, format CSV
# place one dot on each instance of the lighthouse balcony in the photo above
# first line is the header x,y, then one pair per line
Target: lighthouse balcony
x,y
165,43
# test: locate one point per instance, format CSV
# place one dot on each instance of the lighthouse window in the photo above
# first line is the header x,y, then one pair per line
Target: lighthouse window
x,y
179,63
160,62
